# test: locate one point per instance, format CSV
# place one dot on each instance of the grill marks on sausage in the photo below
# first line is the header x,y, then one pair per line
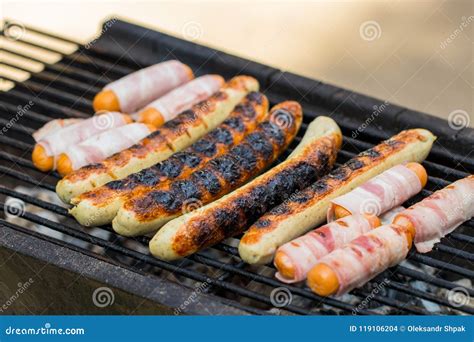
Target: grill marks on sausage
x,y
228,133
241,211
159,139
223,174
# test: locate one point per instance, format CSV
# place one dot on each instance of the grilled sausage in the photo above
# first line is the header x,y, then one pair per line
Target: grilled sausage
x,y
439,214
141,87
382,193
99,206
359,261
148,212
100,146
172,137
180,99
294,259
308,208
233,213
51,146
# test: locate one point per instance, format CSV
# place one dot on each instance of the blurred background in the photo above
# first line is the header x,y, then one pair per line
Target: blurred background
x,y
418,54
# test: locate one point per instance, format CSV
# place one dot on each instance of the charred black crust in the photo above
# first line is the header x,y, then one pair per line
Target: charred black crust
x,y
246,155
192,157
260,144
225,172
246,110
222,135
235,123
255,96
273,132
205,147
226,167
207,180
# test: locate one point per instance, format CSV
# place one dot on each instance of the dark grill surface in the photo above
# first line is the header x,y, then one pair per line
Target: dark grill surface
x,y
66,89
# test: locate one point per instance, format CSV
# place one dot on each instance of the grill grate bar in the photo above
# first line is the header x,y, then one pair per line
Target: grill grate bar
x,y
38,89
155,262
77,75
80,57
59,109
427,296
17,128
26,178
52,78
15,143
417,275
423,258
27,113
230,268
68,69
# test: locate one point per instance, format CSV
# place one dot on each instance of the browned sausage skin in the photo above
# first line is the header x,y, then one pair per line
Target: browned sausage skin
x,y
230,215
148,212
99,206
307,208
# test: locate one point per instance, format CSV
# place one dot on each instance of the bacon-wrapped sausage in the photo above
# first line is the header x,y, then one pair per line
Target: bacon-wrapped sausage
x,y
100,146
52,127
180,99
149,211
173,136
141,87
380,194
99,206
359,261
439,214
308,208
51,146
232,214
294,259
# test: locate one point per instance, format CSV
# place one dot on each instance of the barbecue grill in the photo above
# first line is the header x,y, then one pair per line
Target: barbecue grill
x,y
68,263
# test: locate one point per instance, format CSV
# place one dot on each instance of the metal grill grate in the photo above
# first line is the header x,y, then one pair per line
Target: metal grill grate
x,y
65,89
